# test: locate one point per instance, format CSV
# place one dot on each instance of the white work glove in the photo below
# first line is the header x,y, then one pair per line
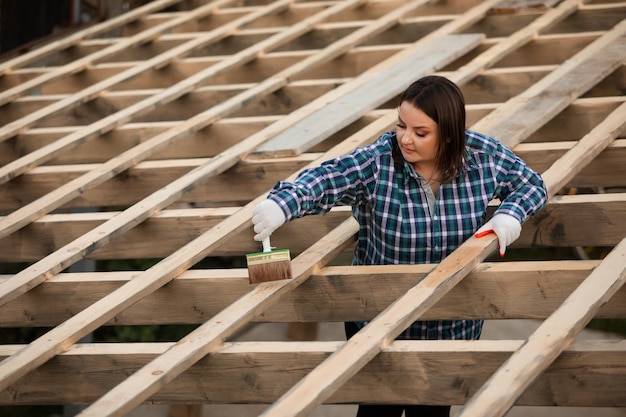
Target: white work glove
x,y
267,217
507,228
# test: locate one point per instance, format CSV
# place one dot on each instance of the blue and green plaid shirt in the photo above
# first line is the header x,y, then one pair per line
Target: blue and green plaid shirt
x,y
400,220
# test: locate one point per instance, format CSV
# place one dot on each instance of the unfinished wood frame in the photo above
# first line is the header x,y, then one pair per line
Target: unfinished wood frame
x,y
188,110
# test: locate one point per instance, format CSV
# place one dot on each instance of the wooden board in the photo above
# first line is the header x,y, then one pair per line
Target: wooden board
x,y
367,95
565,222
515,290
257,372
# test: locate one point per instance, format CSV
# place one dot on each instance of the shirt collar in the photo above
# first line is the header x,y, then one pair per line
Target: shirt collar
x,y
409,172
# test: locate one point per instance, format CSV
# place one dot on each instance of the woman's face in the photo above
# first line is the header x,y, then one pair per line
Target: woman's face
x,y
418,137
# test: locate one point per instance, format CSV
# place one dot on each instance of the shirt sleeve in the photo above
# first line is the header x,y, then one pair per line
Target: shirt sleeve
x,y
345,180
521,190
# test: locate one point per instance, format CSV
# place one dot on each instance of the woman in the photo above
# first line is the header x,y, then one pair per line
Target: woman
x,y
417,193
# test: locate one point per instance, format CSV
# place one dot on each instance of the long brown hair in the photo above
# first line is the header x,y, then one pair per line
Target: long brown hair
x,y
442,101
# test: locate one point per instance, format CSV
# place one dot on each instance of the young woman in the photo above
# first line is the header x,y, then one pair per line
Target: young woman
x,y
417,194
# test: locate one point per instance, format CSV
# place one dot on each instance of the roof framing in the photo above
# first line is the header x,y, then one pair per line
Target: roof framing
x,y
185,119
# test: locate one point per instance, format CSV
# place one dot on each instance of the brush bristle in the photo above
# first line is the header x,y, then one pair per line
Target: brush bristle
x,y
269,266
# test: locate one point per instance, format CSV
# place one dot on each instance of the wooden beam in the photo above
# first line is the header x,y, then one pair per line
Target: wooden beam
x,y
177,358
493,291
223,134
587,374
568,221
257,176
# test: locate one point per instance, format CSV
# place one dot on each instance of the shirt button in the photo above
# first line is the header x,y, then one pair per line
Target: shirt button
x,y
437,247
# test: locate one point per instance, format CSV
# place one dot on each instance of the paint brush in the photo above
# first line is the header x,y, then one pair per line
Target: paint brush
x,y
269,265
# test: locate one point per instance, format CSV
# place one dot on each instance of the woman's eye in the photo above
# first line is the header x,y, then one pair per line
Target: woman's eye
x,y
400,126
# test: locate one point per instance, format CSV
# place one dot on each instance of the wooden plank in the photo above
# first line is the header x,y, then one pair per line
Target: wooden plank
x,y
75,38
567,221
256,176
366,96
510,381
493,291
589,373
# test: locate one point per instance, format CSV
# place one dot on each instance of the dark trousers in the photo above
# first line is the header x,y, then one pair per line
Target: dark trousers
x,y
372,410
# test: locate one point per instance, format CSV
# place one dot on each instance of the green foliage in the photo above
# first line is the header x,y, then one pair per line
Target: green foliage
x,y
609,325
137,334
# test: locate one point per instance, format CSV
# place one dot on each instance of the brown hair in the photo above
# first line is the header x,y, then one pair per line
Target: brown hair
x,y
442,101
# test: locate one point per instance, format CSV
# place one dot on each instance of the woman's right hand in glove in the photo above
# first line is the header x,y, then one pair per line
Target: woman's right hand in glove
x,y
267,217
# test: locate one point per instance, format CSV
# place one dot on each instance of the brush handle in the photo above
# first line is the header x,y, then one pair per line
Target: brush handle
x,y
266,245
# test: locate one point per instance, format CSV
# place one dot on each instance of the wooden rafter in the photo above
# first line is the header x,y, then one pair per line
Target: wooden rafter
x,y
408,372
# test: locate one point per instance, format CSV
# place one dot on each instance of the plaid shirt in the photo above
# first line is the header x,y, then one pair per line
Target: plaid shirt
x,y
398,223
